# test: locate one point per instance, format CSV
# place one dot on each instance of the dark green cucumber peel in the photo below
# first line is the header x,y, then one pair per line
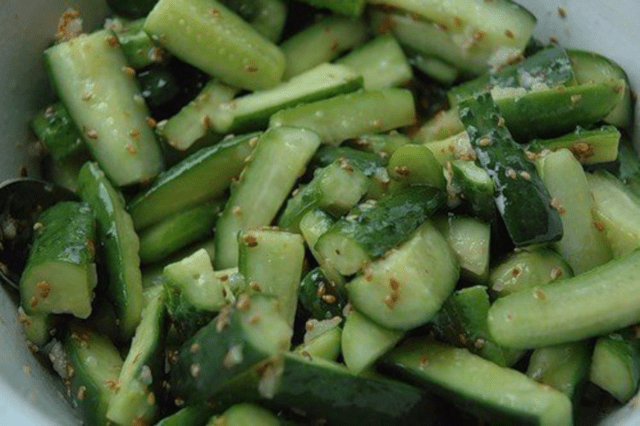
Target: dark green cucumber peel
x,y
615,365
56,130
322,297
120,243
521,198
203,176
599,145
550,66
136,44
60,274
462,322
372,228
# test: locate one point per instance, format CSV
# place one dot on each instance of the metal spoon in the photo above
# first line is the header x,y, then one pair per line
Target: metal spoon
x,y
21,201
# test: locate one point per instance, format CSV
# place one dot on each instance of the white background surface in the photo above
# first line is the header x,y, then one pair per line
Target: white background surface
x,y
28,396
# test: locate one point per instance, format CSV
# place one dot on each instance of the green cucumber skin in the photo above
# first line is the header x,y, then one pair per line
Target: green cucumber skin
x,y
317,284
89,75
521,198
475,186
378,227
120,242
140,381
629,172
67,239
564,367
588,146
407,288
211,359
433,67
326,345
203,176
615,365
524,270
330,37
462,322
384,145
267,17
496,394
582,244
554,112
96,364
239,55
381,62
367,162
572,309
136,45
348,116
550,66
352,8
273,260
415,165
245,414
55,129
178,231
592,67
193,415
280,157
253,111
334,189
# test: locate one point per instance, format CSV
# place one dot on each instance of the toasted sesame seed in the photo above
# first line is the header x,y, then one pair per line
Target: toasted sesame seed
x,y
328,298
194,348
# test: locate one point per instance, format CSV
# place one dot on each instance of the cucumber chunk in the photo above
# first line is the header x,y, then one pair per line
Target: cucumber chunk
x,y
202,176
582,244
521,198
363,342
329,37
193,415
252,111
462,322
120,243
415,164
326,345
570,310
493,393
91,365
245,415
470,240
278,160
272,262
60,273
267,17
526,269
209,36
140,383
56,130
323,297
616,212
348,116
587,146
475,187
381,62
564,367
373,228
615,366
406,288
312,226
89,74
136,45
164,238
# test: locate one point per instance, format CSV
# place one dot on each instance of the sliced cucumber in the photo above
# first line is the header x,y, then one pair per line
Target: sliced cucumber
x,y
445,124
326,345
364,341
120,243
344,7
267,17
209,36
278,160
335,189
572,309
373,228
348,116
384,144
56,130
92,364
139,385
193,415
329,37
407,287
89,74
38,329
323,297
203,176
616,212
272,262
136,45
587,146
526,269
177,231
475,187
563,367
245,415
381,62
433,67
252,111
194,121
582,244
415,164
615,366
493,393
60,273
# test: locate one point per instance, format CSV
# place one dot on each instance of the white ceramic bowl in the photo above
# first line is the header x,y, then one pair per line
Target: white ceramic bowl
x,y
31,396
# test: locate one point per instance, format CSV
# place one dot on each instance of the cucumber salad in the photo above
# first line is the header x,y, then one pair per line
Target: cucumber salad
x,y
335,212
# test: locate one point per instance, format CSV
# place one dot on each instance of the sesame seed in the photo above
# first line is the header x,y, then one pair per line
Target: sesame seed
x,y
562,12
195,348
328,298
195,370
